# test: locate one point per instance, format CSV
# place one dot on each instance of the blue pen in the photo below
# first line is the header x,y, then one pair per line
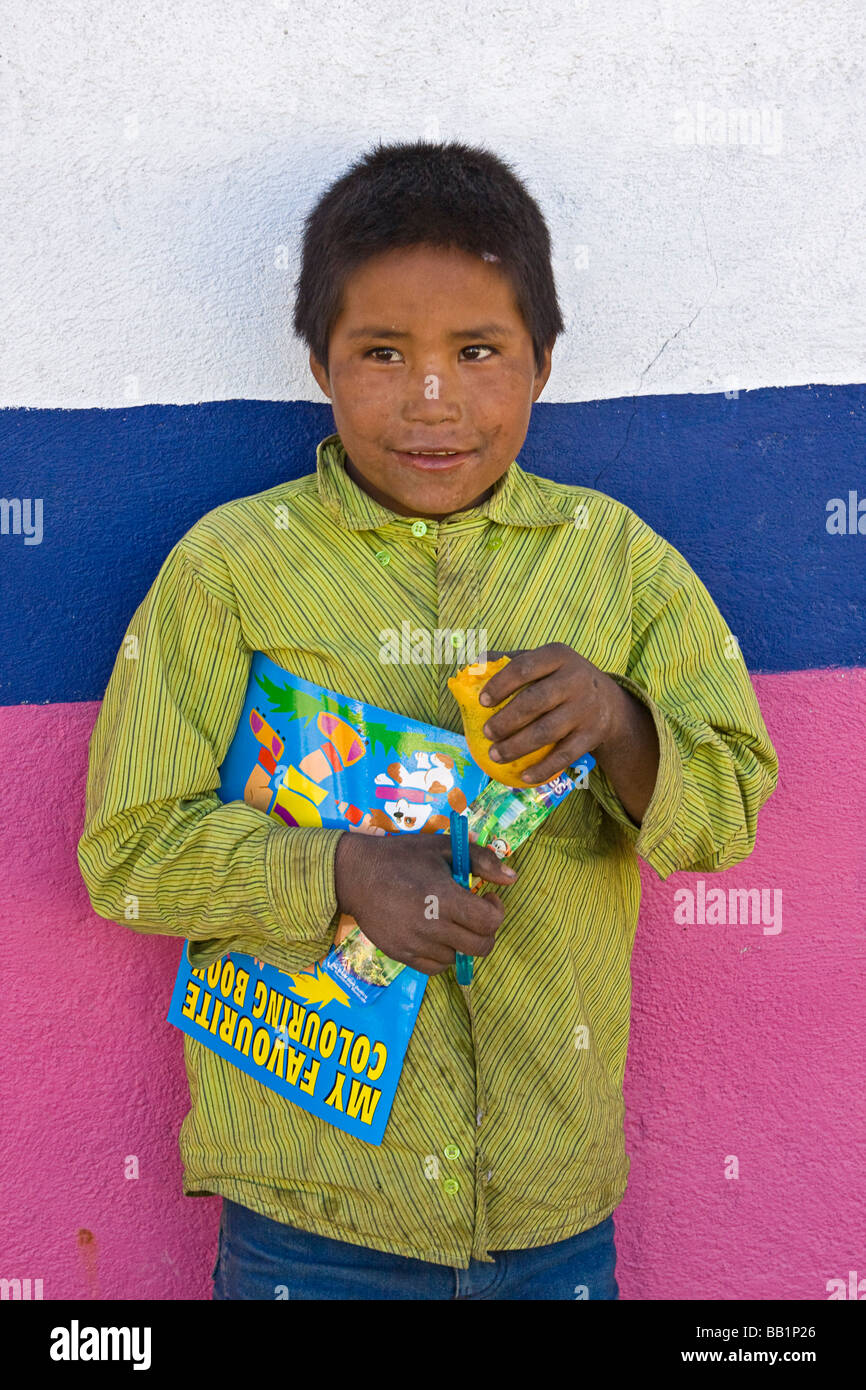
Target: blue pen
x,y
460,862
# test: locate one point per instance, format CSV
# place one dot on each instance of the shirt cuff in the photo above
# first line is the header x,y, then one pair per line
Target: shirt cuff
x,y
664,806
299,870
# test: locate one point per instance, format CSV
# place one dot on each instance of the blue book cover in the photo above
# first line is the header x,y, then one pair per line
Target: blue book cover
x,y
331,1038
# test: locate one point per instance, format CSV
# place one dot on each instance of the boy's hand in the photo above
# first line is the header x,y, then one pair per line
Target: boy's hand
x,y
392,885
567,701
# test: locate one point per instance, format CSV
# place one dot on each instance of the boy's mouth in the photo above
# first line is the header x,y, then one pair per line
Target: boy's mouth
x,y
438,459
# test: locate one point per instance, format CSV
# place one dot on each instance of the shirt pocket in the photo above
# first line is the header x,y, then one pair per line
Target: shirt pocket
x,y
579,819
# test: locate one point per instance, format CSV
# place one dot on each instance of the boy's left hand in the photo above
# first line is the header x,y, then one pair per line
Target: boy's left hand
x,y
566,701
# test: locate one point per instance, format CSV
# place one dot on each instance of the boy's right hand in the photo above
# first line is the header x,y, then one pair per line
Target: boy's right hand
x,y
386,883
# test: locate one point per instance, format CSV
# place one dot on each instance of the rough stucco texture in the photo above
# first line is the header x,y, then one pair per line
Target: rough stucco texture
x,y
158,166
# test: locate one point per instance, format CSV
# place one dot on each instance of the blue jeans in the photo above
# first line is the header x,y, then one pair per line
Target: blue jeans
x,y
265,1259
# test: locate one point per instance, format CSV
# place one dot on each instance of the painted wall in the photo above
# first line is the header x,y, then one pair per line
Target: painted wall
x,y
701,170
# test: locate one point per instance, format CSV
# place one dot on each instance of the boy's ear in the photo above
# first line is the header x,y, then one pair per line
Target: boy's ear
x,y
320,374
542,375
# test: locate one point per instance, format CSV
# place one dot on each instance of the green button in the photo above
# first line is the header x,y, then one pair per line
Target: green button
x,y
419,528
451,1185
383,557
494,543
457,639
451,1151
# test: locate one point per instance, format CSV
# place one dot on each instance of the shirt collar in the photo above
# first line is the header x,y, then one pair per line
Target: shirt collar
x,y
518,498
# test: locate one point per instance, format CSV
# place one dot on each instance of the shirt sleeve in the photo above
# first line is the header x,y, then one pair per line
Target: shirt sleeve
x,y
160,853
717,765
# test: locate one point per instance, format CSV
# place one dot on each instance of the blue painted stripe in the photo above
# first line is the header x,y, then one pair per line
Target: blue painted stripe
x,y
739,486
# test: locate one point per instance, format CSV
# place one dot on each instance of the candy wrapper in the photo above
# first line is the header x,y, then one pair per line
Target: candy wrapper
x,y
504,817
359,966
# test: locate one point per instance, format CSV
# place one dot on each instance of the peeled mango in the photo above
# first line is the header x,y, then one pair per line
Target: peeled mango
x,y
466,687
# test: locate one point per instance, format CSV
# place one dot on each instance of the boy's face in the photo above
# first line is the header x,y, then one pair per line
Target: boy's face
x,y
430,352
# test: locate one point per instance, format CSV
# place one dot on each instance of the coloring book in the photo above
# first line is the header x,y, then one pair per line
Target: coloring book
x,y
329,1040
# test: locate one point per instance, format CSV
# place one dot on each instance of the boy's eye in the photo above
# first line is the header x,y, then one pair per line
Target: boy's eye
x,y
474,347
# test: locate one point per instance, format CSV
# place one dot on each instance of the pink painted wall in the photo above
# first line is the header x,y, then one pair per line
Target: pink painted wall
x,y
743,1043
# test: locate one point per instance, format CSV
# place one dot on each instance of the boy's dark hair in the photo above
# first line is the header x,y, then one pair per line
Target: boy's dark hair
x,y
424,193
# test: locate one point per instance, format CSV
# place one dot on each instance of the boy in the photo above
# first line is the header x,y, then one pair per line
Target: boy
x,y
427,299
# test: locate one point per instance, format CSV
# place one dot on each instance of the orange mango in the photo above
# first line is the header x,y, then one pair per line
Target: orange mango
x,y
466,687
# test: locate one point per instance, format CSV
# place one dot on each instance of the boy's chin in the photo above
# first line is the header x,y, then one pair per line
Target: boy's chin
x,y
440,492
430,501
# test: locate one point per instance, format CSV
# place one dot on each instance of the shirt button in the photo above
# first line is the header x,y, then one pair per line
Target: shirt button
x,y
451,1151
478,1115
451,1185
494,543
419,528
383,557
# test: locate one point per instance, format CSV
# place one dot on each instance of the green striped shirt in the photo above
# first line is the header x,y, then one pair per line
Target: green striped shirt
x,y
507,1127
